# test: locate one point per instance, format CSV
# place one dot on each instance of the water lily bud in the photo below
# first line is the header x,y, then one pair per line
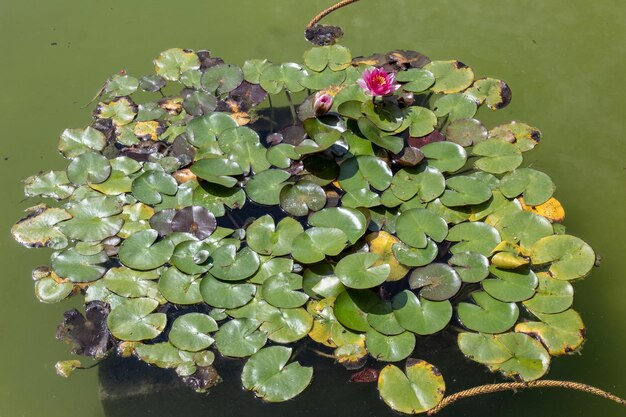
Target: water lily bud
x,y
322,103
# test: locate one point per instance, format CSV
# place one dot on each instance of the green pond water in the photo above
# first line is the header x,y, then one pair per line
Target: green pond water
x,y
564,61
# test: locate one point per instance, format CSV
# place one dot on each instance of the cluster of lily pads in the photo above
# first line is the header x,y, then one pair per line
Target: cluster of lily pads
x,y
199,221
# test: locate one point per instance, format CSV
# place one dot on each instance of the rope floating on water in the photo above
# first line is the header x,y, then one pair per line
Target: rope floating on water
x,y
487,389
328,11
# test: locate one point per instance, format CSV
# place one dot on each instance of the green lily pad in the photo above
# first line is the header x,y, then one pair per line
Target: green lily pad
x,y
224,294
335,57
180,288
134,320
283,290
426,182
463,191
284,76
420,315
320,80
496,93
358,173
52,184
202,132
79,268
149,186
352,222
466,132
265,187
266,238
456,106
121,111
471,266
217,170
416,79
253,68
74,142
190,332
417,391
287,325
569,257
535,186
487,315
230,265
49,290
437,281
172,63
382,319
351,307
319,281
561,333
300,198
268,375
552,296
91,219
242,145
121,85
420,120
473,237
389,348
191,257
445,156
130,283
222,78
511,285
357,271
483,348
38,228
216,197
378,137
523,136
140,252
282,155
524,227
529,359
163,355
409,256
315,243
386,116
497,157
239,338
450,76
198,103
413,225
271,266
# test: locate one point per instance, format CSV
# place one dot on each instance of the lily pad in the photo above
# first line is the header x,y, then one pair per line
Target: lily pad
x,y
319,281
437,281
471,266
134,320
455,106
417,391
569,257
282,290
381,243
149,186
511,285
389,348
141,252
268,375
287,325
535,186
413,225
230,265
266,238
496,93
50,290
529,359
317,242
420,315
79,268
335,57
222,78
420,120
487,315
426,182
172,63
524,227
265,187
52,184
180,288
445,156
130,283
357,271
92,219
195,220
190,332
74,142
300,198
382,319
284,76
552,296
561,333
38,228
242,145
239,338
225,294
450,76
409,256
352,222
466,132
464,190
217,170
473,237
351,308
416,79
497,156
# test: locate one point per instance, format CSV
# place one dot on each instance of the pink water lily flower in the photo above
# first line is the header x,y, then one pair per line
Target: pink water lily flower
x,y
378,82
322,103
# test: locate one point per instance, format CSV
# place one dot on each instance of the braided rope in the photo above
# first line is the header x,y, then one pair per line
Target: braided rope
x,y
487,389
328,11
